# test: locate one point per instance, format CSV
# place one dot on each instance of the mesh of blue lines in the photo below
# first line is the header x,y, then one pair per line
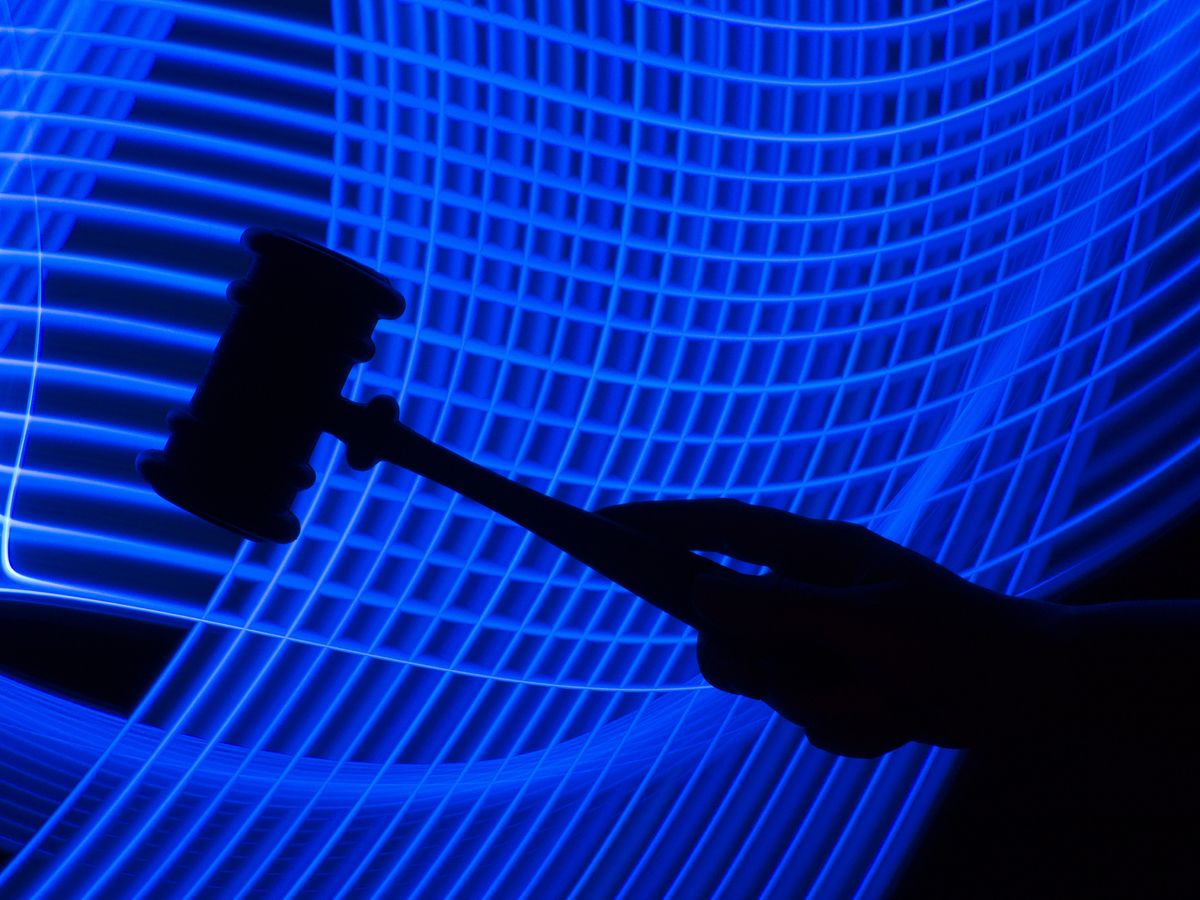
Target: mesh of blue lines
x,y
926,265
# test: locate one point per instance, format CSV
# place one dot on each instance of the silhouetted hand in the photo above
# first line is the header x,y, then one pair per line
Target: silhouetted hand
x,y
866,644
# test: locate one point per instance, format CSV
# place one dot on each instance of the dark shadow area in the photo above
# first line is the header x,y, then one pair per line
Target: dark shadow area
x,y
104,661
1051,823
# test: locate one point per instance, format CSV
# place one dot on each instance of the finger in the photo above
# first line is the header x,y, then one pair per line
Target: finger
x,y
813,549
839,717
727,669
856,744
735,606
772,611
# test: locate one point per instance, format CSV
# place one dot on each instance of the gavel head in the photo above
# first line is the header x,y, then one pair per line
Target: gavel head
x,y
239,453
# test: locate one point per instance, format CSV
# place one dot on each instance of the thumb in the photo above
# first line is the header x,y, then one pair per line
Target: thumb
x,y
755,534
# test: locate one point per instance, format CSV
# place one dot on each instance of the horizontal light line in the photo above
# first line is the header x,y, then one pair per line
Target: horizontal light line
x,y
767,23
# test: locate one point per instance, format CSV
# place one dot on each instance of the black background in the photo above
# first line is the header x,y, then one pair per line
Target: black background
x,y
1053,824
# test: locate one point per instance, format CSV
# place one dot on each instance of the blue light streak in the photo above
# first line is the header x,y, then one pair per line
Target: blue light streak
x,y
933,272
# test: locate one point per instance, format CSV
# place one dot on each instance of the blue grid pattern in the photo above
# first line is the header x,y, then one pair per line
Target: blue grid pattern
x,y
925,265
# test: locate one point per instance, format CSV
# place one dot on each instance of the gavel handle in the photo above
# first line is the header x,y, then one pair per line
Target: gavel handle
x,y
648,567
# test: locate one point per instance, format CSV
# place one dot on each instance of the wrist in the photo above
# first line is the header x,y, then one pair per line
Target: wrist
x,y
1037,690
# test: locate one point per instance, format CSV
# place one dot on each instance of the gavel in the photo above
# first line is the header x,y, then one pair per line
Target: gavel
x,y
238,454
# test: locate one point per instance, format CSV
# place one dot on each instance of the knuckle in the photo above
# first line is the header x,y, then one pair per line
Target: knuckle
x,y
723,670
820,739
708,659
855,742
856,530
702,649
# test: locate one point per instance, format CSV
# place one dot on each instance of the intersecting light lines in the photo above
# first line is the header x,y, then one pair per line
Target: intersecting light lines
x,y
923,265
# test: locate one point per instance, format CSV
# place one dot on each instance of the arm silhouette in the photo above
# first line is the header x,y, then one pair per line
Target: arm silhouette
x,y
869,645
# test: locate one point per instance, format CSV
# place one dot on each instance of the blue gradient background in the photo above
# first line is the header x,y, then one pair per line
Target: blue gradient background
x,y
929,266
